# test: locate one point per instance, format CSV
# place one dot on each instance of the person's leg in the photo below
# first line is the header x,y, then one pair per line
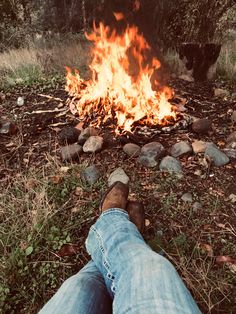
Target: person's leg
x,y
83,293
140,280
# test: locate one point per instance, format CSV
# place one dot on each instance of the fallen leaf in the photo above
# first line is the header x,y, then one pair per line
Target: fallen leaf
x,y
232,198
31,184
23,245
78,191
198,172
56,179
224,259
207,248
29,250
64,169
221,143
232,267
57,129
79,126
68,250
221,226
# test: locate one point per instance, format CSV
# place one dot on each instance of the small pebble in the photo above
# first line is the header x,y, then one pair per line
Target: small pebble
x,y
187,198
91,174
93,144
71,152
132,150
86,133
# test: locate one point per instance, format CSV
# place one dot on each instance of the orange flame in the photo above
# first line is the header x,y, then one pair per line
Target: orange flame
x,y
121,81
119,16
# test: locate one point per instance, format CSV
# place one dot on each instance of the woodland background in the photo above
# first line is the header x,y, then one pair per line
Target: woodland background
x,y
45,35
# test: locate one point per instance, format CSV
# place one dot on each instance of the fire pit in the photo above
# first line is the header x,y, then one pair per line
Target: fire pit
x,y
122,92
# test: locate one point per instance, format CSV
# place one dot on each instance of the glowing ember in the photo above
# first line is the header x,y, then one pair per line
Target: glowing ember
x,y
121,83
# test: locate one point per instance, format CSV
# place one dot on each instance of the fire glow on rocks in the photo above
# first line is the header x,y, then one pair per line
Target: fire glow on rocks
x,y
121,86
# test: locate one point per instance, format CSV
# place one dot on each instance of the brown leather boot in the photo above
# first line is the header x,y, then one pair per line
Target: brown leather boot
x,y
115,197
136,214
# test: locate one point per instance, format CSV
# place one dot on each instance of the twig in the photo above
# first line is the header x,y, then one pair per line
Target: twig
x,y
50,97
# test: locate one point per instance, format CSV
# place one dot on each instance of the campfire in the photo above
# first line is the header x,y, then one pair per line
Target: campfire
x,y
122,90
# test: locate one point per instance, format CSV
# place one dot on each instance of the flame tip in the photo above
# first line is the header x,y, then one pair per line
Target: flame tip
x,y
121,80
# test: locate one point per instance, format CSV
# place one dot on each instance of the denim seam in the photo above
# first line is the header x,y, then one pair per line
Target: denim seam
x,y
106,264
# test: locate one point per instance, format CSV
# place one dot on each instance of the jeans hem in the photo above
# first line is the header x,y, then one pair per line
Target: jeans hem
x,y
114,210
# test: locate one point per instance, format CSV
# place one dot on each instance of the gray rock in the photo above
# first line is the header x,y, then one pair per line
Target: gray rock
x,y
132,150
170,164
197,206
231,140
199,146
230,152
86,133
118,175
219,158
219,92
180,148
150,153
91,174
187,198
93,144
202,126
233,117
8,128
68,135
71,152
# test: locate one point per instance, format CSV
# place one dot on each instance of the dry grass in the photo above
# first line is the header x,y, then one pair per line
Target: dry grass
x,y
226,65
28,65
13,59
36,220
176,66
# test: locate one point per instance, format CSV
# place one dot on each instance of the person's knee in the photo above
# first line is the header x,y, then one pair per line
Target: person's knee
x,y
152,263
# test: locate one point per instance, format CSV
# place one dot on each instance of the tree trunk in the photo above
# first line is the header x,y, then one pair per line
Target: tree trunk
x,y
84,15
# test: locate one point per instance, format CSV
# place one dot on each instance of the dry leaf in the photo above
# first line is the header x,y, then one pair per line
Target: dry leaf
x,y
78,191
31,184
232,267
64,169
56,179
221,225
68,250
232,198
221,143
79,126
223,259
207,248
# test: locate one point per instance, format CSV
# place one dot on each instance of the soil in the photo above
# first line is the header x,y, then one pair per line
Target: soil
x,y
37,137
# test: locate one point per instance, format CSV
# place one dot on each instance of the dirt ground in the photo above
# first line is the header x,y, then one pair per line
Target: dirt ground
x,y
200,242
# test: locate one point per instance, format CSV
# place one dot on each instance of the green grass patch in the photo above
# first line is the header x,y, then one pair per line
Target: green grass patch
x,y
37,221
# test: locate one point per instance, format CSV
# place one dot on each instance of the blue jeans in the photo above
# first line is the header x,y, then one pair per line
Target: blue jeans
x,y
124,276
